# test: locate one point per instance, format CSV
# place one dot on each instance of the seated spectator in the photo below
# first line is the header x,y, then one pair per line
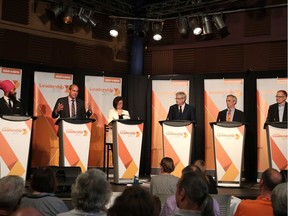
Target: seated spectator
x,y
279,199
42,198
27,211
89,194
165,183
192,196
262,205
11,191
134,201
210,181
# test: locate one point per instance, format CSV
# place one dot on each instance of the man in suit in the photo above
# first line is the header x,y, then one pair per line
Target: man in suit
x,y
181,110
231,113
71,106
278,112
9,105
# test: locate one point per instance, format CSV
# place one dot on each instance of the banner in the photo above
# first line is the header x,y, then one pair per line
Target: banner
x,y
14,75
99,94
266,91
215,92
163,96
48,87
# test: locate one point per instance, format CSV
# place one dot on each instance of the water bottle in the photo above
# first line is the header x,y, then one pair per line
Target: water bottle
x,y
136,180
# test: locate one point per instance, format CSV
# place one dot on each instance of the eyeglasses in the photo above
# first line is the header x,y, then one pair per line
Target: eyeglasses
x,y
279,96
179,98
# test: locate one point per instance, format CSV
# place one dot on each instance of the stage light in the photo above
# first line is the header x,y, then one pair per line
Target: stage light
x,y
115,28
92,21
194,25
130,29
207,27
68,15
82,16
55,10
182,26
157,29
143,29
219,22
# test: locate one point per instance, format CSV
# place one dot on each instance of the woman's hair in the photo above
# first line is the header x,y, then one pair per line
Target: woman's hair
x,y
44,180
134,201
116,101
167,165
91,191
196,190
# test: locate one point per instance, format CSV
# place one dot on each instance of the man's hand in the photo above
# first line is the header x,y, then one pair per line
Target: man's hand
x,y
59,108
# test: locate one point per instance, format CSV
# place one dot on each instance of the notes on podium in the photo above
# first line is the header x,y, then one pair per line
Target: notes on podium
x,y
228,139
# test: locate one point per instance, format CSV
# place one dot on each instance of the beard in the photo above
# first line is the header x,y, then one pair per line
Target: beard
x,y
12,96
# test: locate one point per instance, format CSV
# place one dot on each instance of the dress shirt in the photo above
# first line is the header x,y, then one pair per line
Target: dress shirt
x,y
7,100
70,106
281,112
232,111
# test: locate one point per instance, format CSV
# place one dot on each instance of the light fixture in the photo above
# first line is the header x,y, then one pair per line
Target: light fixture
x,y
83,16
130,29
194,25
218,22
157,29
114,28
92,22
68,15
182,26
143,29
55,10
207,27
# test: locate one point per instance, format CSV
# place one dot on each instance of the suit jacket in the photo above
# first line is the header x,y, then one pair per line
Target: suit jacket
x,y
113,115
17,108
273,114
65,113
238,116
187,114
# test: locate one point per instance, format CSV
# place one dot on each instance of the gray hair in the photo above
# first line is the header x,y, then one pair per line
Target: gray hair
x,y
91,191
279,199
11,190
182,94
233,96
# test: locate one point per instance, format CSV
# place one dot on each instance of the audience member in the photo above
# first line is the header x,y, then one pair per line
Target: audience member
x,y
262,205
42,198
11,191
210,181
279,199
27,211
157,204
192,196
90,193
165,183
134,201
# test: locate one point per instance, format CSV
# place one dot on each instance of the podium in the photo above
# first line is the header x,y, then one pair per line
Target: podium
x,y
228,140
277,134
178,136
127,145
74,141
15,136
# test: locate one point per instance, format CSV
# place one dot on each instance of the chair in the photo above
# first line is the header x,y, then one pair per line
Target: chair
x,y
224,203
108,147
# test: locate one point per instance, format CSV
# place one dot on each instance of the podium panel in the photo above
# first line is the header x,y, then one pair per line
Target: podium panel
x,y
228,150
15,136
127,145
277,147
177,143
74,139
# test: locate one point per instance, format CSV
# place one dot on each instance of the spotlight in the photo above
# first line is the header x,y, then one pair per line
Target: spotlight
x,y
157,29
182,26
194,25
143,29
68,15
130,29
114,28
55,10
218,22
207,27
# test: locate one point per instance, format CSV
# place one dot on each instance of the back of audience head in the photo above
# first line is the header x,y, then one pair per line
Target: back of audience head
x,y
270,179
44,180
167,165
91,191
11,191
201,165
134,201
157,204
27,211
279,199
192,194
191,168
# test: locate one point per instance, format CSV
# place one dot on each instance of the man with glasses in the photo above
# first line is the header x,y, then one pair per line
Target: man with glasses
x,y
181,110
278,112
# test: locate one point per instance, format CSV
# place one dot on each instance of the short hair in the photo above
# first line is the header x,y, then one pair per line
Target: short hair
x,y
192,168
283,91
44,180
70,87
201,165
116,101
182,94
11,190
233,96
133,201
279,199
91,191
167,164
271,178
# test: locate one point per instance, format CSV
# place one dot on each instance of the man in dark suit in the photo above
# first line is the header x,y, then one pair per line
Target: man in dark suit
x,y
181,110
9,105
71,106
278,112
231,113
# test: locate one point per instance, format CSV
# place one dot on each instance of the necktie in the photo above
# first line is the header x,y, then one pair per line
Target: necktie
x,y
10,103
73,109
180,109
229,115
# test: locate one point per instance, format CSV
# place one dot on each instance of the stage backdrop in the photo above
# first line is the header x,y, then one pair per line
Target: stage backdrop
x,y
99,94
163,96
48,87
266,91
14,75
215,94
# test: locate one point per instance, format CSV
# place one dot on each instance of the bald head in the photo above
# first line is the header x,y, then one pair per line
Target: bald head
x,y
270,179
27,211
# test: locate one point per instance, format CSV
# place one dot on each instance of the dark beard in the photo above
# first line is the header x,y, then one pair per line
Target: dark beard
x,y
12,96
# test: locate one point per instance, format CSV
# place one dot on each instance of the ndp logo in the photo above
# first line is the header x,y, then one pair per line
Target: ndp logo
x,y
130,133
177,134
15,131
77,132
